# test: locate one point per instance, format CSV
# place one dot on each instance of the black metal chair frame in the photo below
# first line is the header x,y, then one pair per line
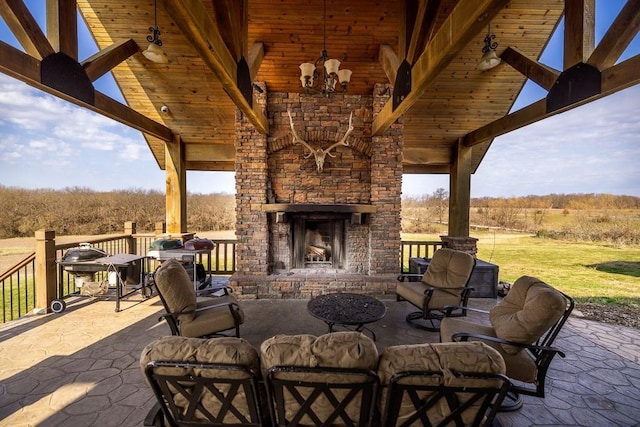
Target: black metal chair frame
x,y
436,314
457,398
192,387
542,352
276,388
174,324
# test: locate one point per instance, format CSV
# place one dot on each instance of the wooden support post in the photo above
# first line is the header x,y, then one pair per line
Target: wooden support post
x,y
176,189
45,270
160,228
130,230
460,191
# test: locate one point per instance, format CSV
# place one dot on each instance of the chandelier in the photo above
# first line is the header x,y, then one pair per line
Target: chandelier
x,y
323,81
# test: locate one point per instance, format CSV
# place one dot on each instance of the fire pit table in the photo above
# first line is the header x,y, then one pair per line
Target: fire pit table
x,y
347,310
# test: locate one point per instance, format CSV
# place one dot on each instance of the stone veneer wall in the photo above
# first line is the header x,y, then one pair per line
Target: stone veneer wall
x,y
273,170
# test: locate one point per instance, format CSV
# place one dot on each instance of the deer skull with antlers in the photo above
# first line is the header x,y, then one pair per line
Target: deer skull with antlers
x,y
318,153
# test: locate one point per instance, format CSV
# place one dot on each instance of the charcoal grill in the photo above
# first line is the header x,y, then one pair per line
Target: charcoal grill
x,y
85,261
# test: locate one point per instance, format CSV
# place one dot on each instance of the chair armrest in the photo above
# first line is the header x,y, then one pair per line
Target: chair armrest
x,y
208,307
403,276
464,336
450,308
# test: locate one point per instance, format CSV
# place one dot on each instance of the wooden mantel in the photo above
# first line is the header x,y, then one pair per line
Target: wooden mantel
x,y
317,207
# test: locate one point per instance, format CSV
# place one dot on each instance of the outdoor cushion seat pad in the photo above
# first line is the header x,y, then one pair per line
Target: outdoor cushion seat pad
x,y
444,358
346,349
519,366
530,308
227,350
447,269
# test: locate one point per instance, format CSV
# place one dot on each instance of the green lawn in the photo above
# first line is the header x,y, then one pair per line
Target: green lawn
x,y
586,271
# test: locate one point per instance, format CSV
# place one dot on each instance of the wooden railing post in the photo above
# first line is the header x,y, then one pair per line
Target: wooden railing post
x,y
130,230
161,228
45,270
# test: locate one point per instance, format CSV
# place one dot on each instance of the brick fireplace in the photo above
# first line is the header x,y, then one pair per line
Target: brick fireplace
x,y
301,231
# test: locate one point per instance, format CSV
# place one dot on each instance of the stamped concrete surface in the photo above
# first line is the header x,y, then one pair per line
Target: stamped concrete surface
x,y
80,367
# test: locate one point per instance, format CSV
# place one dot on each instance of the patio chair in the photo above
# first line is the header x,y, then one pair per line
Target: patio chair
x,y
445,283
203,382
320,381
188,315
523,328
460,384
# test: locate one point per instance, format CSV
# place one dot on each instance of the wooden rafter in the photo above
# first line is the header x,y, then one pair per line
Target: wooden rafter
x,y
614,79
25,28
203,33
618,36
420,19
464,23
254,59
579,31
389,61
104,61
27,69
539,73
62,27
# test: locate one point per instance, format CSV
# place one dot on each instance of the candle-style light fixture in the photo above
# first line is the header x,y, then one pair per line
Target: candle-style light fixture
x,y
489,58
324,81
154,51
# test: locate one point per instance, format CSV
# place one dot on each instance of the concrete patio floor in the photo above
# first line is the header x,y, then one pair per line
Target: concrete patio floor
x,y
80,367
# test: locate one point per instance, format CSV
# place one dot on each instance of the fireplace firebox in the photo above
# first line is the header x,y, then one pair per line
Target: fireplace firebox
x,y
318,241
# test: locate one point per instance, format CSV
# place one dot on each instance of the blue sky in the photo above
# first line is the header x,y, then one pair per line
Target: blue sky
x,y
48,143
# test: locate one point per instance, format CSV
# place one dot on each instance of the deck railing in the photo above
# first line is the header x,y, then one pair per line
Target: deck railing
x,y
19,288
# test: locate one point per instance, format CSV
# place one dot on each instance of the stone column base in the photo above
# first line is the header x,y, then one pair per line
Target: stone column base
x,y
464,244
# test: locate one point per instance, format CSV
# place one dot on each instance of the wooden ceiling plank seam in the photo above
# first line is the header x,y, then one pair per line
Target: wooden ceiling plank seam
x,y
537,72
194,22
389,61
25,28
105,60
254,59
579,31
618,37
461,26
62,26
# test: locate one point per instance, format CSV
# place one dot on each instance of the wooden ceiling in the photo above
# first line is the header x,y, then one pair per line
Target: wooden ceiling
x,y
442,40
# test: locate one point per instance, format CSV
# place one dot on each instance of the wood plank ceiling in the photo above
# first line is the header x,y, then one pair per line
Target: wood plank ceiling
x,y
459,100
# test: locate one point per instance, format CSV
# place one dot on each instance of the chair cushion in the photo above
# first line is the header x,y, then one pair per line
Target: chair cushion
x,y
175,286
335,350
530,308
449,269
519,366
445,358
228,350
211,321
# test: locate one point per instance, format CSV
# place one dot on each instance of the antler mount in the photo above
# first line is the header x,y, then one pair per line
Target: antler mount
x,y
320,154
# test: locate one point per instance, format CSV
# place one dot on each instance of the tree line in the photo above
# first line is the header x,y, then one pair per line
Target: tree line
x,y
82,211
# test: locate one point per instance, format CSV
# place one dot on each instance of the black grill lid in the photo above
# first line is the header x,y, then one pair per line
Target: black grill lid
x,y
84,252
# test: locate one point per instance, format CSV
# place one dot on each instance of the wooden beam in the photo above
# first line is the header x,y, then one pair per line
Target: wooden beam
x,y
426,156
424,23
104,61
25,28
62,26
579,31
254,59
460,191
466,20
194,21
535,71
389,61
614,79
25,68
176,186
426,169
618,36
194,165
209,152
231,19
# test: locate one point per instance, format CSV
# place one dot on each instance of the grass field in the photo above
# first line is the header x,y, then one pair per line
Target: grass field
x,y
589,272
